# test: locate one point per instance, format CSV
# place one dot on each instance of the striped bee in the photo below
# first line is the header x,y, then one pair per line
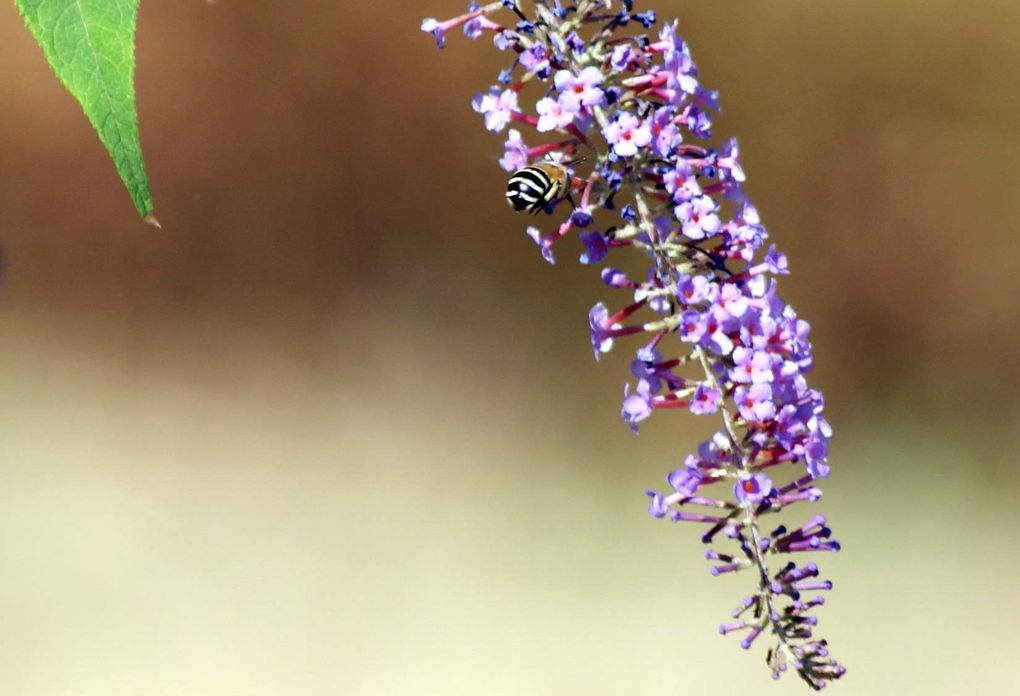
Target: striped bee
x,y
537,185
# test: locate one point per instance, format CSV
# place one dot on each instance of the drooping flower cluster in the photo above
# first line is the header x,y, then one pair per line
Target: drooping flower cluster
x,y
716,337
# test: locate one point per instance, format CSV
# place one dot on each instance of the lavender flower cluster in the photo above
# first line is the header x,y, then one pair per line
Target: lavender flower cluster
x,y
717,338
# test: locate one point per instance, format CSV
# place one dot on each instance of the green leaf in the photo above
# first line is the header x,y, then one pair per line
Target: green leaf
x,y
91,46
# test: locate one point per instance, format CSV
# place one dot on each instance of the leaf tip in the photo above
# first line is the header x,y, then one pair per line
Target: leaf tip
x,y
150,219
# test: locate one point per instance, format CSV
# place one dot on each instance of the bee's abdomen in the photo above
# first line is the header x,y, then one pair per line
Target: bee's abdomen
x,y
529,189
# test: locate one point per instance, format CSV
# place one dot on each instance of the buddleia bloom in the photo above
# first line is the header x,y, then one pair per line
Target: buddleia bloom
x,y
599,81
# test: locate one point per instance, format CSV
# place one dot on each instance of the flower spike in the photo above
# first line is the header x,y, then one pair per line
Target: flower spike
x,y
586,87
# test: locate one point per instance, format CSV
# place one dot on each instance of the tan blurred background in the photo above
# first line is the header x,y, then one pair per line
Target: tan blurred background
x,y
336,429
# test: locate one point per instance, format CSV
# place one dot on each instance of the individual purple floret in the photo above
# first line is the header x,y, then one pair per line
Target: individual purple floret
x,y
586,89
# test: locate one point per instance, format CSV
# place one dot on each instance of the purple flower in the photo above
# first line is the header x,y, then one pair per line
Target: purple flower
x,y
698,122
544,243
686,480
637,406
668,39
622,57
497,106
707,99
595,248
474,21
816,452
705,400
644,367
626,134
776,262
474,27
717,331
727,161
504,40
536,60
430,25
698,218
755,402
616,278
681,184
656,504
680,71
665,134
789,427
745,232
715,451
692,326
692,290
751,366
552,115
516,152
663,227
752,488
575,42
733,301
580,90
601,332
647,19
757,330
581,218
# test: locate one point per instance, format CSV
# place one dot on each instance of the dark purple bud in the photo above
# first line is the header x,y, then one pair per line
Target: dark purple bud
x,y
580,218
595,248
616,278
647,19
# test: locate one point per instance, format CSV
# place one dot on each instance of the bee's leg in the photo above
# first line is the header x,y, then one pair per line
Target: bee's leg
x,y
570,197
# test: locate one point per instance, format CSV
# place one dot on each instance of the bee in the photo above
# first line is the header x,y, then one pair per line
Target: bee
x,y
537,185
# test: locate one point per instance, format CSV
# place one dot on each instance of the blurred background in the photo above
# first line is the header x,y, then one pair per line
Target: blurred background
x,y
336,428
